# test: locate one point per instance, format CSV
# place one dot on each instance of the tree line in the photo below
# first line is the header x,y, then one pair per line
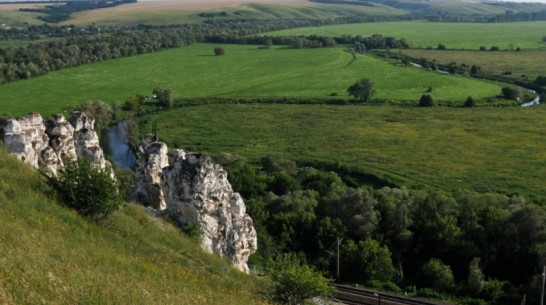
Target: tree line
x,y
483,248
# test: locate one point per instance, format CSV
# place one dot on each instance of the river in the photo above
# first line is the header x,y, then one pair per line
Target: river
x,y
116,144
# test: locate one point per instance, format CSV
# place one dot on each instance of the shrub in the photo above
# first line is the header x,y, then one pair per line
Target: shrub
x,y
512,93
436,275
219,51
469,102
426,101
89,190
293,282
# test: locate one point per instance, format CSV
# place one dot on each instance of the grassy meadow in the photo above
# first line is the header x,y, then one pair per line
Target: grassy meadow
x,y
244,71
50,255
421,34
485,149
528,63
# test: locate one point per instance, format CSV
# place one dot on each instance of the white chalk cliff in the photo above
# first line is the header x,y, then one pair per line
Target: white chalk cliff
x,y
196,192
53,142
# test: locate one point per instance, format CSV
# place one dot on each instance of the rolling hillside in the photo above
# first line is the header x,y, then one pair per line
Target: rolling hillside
x,y
50,255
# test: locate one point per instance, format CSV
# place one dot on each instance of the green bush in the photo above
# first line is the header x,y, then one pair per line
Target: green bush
x,y
294,282
426,101
91,191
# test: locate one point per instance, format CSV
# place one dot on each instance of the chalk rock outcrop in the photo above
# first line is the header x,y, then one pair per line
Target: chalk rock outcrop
x,y
26,138
197,192
51,143
151,159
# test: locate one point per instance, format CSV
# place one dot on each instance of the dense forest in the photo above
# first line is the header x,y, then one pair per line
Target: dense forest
x,y
489,248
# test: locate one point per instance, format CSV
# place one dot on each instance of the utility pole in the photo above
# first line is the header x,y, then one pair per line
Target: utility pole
x,y
339,239
543,281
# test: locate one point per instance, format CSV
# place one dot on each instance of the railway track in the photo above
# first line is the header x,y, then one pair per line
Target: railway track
x,y
360,296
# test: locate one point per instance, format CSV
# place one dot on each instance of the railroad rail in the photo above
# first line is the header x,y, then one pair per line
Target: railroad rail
x,y
360,296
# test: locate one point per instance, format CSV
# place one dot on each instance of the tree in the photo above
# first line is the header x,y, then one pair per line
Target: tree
x,y
219,51
90,190
426,101
365,261
101,112
436,275
511,93
474,70
441,47
469,102
476,278
163,97
362,90
293,282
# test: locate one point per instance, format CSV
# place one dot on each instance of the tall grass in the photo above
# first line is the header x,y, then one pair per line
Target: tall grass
x,y
484,148
50,255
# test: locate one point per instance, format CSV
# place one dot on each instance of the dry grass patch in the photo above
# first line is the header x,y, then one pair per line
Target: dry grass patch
x,y
17,6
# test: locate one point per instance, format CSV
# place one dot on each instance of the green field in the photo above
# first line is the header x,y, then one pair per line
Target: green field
x,y
245,71
51,255
528,63
485,149
526,35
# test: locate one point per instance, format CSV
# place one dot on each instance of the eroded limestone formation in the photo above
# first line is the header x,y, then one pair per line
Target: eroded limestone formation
x,y
53,142
197,192
151,159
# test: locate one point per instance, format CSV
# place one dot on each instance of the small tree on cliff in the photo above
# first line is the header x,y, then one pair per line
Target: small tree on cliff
x,y
89,190
362,90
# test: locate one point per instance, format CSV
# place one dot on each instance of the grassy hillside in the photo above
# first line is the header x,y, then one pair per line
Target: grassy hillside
x,y
164,13
50,255
244,71
526,35
485,149
11,16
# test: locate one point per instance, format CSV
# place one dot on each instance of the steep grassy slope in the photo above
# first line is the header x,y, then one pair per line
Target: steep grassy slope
x,y
244,71
50,255
484,148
